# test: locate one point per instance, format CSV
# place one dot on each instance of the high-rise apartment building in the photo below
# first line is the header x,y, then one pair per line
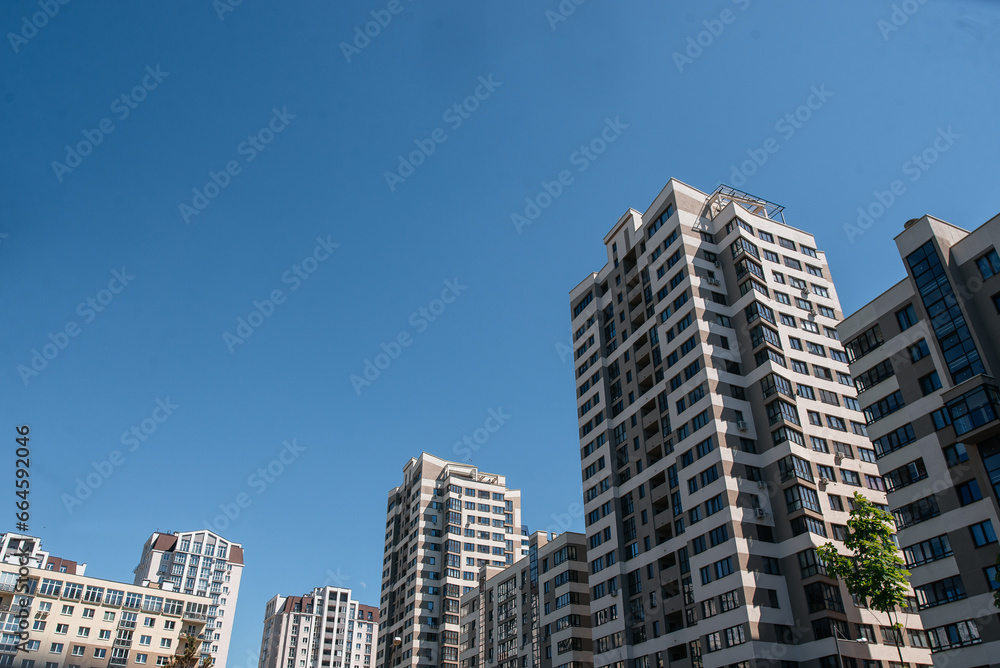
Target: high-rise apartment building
x,y
68,620
534,613
925,356
721,442
443,524
200,563
324,629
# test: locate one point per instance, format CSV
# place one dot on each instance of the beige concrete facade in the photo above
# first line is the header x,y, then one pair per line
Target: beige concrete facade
x,y
534,613
324,629
443,524
201,563
75,621
925,356
721,442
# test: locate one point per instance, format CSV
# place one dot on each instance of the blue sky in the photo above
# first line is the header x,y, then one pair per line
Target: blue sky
x,y
288,137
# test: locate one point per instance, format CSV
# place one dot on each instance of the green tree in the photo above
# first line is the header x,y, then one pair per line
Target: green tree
x,y
189,659
873,571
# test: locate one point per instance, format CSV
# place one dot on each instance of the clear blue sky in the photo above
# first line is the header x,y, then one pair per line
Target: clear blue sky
x,y
212,83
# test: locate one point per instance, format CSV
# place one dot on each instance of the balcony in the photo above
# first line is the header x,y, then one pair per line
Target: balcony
x,y
974,412
126,624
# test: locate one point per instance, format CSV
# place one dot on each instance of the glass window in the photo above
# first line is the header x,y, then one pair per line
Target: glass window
x,y
989,264
906,317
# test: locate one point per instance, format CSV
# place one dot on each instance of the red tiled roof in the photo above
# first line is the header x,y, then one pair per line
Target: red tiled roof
x,y
235,555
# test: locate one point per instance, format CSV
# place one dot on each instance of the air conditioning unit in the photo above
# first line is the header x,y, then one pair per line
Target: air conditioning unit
x,y
759,513
812,314
839,456
713,281
761,483
742,425
718,264
805,292
824,481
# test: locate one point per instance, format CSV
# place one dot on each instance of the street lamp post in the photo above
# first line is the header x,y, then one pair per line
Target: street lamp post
x,y
836,639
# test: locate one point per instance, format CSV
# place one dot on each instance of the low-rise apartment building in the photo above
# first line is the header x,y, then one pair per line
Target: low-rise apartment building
x,y
534,613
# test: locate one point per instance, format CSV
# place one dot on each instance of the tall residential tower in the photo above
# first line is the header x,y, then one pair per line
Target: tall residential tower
x,y
925,356
443,524
721,442
201,563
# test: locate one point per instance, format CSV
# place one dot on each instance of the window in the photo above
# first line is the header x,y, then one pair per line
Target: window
x,y
918,350
730,600
809,564
906,475
924,509
866,380
939,592
894,440
735,636
930,383
948,321
968,492
864,344
874,482
949,636
989,264
823,596
883,407
955,454
852,478
906,317
927,551
834,422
